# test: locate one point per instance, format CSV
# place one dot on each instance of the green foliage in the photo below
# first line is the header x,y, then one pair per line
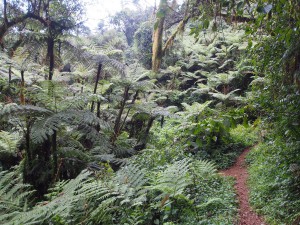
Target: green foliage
x,y
194,111
129,21
246,135
110,198
173,180
143,43
59,207
9,143
141,170
15,195
274,181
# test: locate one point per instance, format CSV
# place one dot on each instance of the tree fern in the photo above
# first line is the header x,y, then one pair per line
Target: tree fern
x,y
194,110
21,110
44,127
229,97
92,55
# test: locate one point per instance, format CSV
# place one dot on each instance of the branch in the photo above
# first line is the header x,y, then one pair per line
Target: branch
x,y
238,18
179,28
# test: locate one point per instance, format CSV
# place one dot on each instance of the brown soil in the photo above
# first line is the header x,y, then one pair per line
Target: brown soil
x,y
239,171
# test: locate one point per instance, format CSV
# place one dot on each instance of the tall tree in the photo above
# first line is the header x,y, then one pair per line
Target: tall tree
x,y
55,16
58,17
158,48
158,35
128,21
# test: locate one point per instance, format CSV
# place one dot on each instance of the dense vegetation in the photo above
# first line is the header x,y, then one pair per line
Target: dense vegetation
x,y
130,125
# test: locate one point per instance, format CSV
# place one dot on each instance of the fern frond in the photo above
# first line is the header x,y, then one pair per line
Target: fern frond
x,y
131,180
91,55
14,195
44,127
8,142
174,179
15,109
63,204
203,168
193,110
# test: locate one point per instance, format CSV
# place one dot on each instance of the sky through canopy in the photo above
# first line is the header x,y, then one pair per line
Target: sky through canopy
x,y
100,9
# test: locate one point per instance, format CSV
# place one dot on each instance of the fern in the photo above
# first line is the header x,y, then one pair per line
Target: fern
x,y
230,97
21,110
92,55
8,142
173,180
63,204
46,126
203,168
15,195
194,110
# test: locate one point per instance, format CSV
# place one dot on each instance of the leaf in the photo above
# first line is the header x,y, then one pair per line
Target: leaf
x,y
205,24
240,5
225,3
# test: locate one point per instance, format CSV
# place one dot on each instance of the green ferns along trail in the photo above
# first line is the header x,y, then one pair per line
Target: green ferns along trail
x,y
90,135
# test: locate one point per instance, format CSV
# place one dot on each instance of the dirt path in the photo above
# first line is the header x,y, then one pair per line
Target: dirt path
x,y
246,215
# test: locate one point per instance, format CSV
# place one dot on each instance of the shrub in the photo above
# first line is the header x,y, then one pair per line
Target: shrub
x,y
275,180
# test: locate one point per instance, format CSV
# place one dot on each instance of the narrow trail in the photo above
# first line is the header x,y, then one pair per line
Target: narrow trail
x,y
239,171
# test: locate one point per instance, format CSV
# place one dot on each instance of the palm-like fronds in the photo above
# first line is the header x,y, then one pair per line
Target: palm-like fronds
x,y
203,168
21,110
173,180
91,55
8,142
44,127
63,204
230,97
15,195
194,110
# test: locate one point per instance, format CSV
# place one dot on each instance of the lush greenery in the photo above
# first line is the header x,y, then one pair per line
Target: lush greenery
x,y
274,180
90,133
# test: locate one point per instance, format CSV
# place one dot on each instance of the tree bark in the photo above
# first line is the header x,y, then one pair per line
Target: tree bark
x,y
9,75
142,142
96,85
157,52
98,115
54,152
22,97
118,119
50,54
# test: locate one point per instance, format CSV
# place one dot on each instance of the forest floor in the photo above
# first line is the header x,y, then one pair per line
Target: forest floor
x,y
239,171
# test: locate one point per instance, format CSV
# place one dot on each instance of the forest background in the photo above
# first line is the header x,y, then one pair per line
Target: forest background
x,y
130,124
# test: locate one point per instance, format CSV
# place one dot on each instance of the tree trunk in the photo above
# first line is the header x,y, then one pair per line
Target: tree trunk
x,y
96,84
157,52
22,97
54,152
143,141
98,115
9,75
118,119
50,54
29,156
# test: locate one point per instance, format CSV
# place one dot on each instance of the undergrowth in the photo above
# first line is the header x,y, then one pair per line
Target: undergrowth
x,y
275,181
